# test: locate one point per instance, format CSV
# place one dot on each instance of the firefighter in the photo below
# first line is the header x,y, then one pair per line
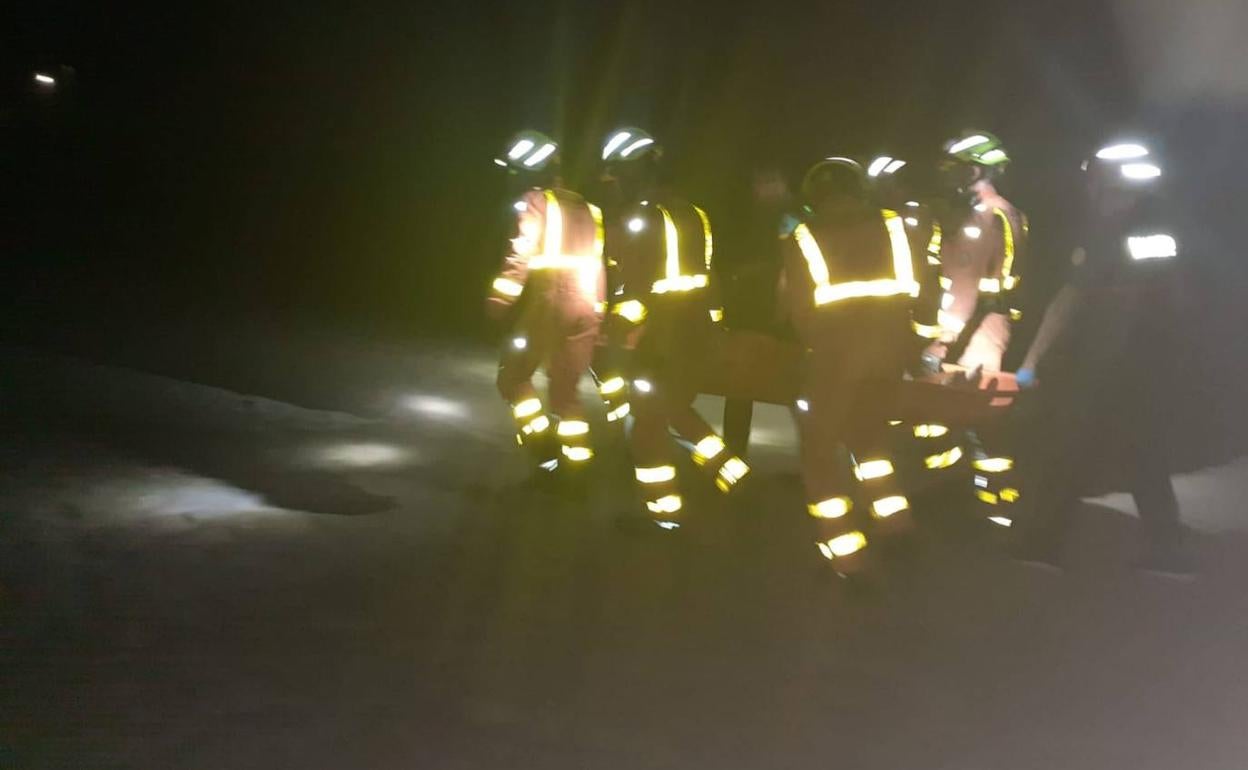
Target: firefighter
x,y
659,254
984,244
848,284
1096,351
553,275
898,185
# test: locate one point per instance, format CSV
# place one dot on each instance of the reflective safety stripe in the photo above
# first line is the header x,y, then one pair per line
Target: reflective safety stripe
x,y
665,504
717,314
611,386
707,449
538,424
873,469
577,454
949,321
843,545
888,506
526,408
990,285
619,413
1007,266
827,292
986,496
944,459
930,431
600,232
1016,314
946,282
554,226
631,310
1001,521
1009,495
708,243
656,475
927,331
572,428
1143,247
733,470
994,464
832,508
673,280
508,287
933,246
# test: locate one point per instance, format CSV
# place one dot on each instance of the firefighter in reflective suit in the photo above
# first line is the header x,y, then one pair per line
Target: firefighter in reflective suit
x,y
659,251
848,285
554,272
1101,396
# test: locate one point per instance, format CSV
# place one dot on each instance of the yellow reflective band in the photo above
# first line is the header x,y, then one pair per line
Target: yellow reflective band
x,y
573,428
577,454
666,504
813,255
832,508
1007,266
527,408
508,287
933,246
708,243
600,307
986,496
944,459
946,282
631,310
888,506
538,424
707,449
554,226
1015,314
680,283
600,232
927,331
994,464
619,413
930,431
1001,521
933,260
519,440
671,243
1009,282
894,423
844,545
990,285
903,265
717,314
732,471
1009,495
655,475
884,287
611,386
873,469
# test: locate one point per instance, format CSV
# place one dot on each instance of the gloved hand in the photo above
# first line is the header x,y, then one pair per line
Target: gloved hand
x,y
1026,378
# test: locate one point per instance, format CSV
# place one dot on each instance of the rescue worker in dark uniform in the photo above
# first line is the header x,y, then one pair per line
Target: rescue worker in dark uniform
x,y
848,285
1095,359
897,186
554,273
659,252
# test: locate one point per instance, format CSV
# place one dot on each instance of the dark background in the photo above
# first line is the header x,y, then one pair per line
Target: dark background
x,y
329,163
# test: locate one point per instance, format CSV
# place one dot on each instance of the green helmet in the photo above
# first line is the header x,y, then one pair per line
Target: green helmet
x,y
628,144
529,151
978,148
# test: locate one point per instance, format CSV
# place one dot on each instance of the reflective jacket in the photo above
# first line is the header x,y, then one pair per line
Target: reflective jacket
x,y
556,250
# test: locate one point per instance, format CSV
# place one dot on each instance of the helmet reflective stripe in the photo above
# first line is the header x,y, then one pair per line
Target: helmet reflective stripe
x,y
1140,171
540,155
614,143
878,166
1152,247
827,292
1125,151
967,143
645,141
520,148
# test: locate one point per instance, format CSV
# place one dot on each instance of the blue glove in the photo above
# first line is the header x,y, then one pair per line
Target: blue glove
x,y
1026,378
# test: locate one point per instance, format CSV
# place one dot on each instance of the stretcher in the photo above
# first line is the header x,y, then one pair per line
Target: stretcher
x,y
747,367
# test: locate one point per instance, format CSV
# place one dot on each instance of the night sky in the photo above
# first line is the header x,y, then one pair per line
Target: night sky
x,y
331,162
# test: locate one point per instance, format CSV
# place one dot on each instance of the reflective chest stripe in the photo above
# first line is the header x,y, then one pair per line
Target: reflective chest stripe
x,y
933,246
552,256
673,280
1008,280
827,292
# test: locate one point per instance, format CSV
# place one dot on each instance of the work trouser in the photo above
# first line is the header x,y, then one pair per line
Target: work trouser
x,y
670,352
557,329
850,391
1099,408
